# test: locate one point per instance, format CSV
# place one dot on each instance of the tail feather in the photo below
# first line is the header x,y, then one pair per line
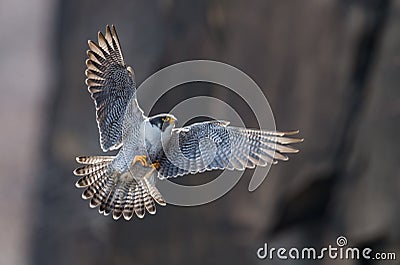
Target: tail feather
x,y
155,194
89,160
115,192
107,197
128,205
138,202
95,192
93,189
85,170
119,200
90,178
148,201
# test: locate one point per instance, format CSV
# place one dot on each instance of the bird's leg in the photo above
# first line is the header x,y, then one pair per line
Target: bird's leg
x,y
154,166
142,159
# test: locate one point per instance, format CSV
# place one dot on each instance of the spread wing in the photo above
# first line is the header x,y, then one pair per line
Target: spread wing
x,y
215,145
111,85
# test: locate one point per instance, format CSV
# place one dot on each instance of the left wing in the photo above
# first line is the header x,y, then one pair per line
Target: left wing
x,y
215,145
111,84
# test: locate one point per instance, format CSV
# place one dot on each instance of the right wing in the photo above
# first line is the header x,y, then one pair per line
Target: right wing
x,y
213,145
112,86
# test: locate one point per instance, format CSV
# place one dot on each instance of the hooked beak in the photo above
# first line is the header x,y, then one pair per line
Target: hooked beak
x,y
172,121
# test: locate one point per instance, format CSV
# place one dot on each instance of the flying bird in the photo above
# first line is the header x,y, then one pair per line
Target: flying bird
x,y
151,148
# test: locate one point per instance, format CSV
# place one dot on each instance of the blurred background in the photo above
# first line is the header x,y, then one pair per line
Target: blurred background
x,y
330,68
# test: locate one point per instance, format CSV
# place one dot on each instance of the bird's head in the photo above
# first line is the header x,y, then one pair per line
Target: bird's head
x,y
165,122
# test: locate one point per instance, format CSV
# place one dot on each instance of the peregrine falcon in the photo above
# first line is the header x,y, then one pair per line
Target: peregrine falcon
x,y
151,148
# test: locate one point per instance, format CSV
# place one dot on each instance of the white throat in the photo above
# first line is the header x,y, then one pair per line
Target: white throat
x,y
166,135
153,134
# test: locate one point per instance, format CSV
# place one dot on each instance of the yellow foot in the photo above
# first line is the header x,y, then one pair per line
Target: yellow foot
x,y
154,166
142,159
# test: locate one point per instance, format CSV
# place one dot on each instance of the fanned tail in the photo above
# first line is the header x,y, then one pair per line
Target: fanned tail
x,y
116,193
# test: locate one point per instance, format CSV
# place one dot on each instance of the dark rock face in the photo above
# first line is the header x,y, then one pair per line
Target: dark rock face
x,y
328,68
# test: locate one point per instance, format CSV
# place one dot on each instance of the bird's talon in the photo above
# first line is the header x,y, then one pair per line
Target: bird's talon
x,y
142,159
156,165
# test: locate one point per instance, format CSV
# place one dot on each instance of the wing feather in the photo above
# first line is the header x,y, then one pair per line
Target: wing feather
x,y
111,84
226,147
